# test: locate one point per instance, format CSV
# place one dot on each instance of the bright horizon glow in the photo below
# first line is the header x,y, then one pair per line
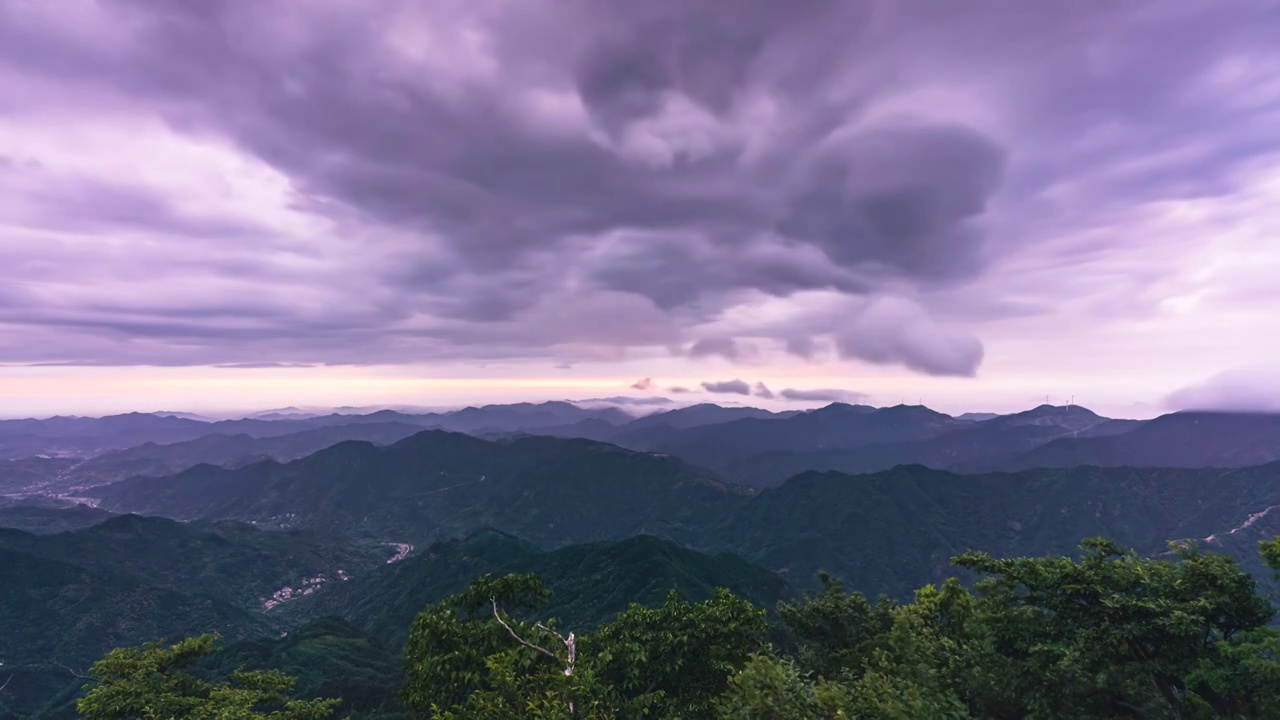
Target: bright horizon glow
x,y
220,392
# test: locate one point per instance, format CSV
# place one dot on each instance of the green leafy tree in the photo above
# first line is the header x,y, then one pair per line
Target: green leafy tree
x,y
773,688
1113,634
675,660
835,628
154,683
468,657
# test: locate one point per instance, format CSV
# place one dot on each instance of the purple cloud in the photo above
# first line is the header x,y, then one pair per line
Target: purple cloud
x,y
761,390
727,348
823,395
729,387
642,384
1253,389
580,181
893,330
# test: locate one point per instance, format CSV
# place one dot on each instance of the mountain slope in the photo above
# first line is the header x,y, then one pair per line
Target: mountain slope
x,y
592,582
231,451
229,562
1183,439
895,530
45,520
835,426
57,614
437,485
963,446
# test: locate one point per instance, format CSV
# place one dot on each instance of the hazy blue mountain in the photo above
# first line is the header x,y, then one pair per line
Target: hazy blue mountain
x,y
836,426
977,416
86,437
1183,439
19,474
229,451
43,520
526,416
703,414
965,445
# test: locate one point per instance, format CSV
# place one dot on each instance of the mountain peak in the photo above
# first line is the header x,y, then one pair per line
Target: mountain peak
x,y
846,408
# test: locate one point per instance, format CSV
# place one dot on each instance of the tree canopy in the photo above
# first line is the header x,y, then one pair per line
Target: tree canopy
x,y
1107,634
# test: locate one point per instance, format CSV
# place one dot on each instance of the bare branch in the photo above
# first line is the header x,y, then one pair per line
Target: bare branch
x,y
6,683
72,672
544,651
570,645
546,629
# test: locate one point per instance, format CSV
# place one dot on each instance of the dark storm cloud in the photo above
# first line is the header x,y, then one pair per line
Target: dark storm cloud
x,y
545,179
727,348
823,395
729,387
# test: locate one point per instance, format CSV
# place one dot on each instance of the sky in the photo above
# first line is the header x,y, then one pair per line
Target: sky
x,y
245,204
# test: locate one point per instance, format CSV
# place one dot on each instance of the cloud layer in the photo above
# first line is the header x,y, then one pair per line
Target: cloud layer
x,y
1252,389
241,184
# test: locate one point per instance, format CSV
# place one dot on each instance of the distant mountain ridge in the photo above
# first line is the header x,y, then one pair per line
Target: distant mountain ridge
x,y
435,485
83,437
880,531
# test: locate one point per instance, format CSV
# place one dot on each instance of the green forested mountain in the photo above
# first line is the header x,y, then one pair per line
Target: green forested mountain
x,y
227,561
70,597
290,561
436,485
895,530
56,617
66,598
592,582
889,531
331,658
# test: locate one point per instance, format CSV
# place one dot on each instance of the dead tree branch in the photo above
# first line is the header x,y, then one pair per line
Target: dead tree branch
x,y
519,639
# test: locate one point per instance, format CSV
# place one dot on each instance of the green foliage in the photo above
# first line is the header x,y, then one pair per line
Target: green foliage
x,y
457,647
592,582
1107,635
674,660
1270,551
330,658
467,657
834,627
155,683
1112,632
771,688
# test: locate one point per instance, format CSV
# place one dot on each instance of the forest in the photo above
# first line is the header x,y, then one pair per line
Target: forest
x,y
1105,634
